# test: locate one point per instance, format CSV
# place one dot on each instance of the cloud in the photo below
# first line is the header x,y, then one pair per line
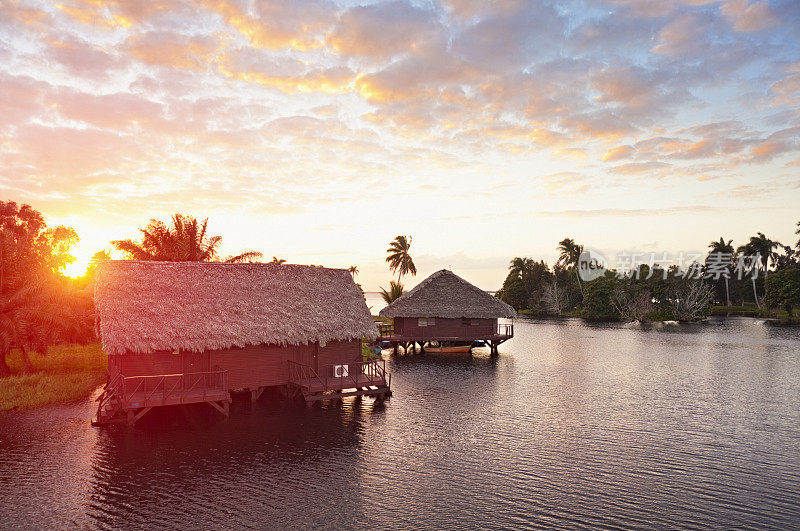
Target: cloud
x,y
618,153
321,101
173,50
83,59
637,168
382,31
684,35
276,24
747,16
287,75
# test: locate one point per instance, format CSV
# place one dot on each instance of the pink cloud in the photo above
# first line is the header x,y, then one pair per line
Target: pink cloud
x,y
364,30
173,50
618,153
749,17
684,35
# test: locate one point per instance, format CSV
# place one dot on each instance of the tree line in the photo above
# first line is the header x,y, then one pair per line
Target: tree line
x,y
660,292
40,306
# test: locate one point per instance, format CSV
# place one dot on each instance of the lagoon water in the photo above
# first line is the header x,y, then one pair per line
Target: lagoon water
x,y
572,425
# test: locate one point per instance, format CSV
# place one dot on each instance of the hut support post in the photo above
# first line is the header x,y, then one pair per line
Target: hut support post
x,y
255,394
223,407
134,416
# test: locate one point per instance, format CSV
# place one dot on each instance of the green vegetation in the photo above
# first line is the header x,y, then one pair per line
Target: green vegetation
x,y
39,307
783,291
729,285
367,353
68,372
395,291
745,310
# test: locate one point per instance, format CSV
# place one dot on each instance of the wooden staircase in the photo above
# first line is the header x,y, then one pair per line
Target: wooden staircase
x,y
109,404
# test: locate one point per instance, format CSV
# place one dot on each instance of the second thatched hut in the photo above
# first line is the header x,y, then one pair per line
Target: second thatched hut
x,y
446,311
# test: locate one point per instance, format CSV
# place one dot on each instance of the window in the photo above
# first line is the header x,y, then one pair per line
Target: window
x,y
464,321
422,322
475,322
431,321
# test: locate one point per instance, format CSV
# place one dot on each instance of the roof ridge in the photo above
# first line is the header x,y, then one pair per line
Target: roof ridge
x,y
198,263
446,302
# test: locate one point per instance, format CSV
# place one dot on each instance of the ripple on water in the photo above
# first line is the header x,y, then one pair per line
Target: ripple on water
x,y
573,425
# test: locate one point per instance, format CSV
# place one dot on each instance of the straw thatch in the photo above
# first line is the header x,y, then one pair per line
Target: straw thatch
x,y
448,296
155,306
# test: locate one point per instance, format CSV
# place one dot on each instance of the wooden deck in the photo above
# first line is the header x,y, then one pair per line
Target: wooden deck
x,y
368,378
141,399
502,333
129,398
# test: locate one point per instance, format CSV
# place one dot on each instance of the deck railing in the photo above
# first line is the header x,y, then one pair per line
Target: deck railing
x,y
299,373
504,329
385,329
172,387
359,374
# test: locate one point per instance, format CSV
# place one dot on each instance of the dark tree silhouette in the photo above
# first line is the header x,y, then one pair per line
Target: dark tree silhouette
x,y
399,259
185,241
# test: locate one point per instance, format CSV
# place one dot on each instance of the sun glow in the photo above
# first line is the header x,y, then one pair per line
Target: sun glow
x,y
78,268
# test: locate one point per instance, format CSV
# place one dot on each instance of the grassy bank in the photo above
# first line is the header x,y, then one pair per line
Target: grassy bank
x,y
66,373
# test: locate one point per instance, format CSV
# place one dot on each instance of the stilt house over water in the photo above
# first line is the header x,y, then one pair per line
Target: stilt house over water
x,y
444,309
188,332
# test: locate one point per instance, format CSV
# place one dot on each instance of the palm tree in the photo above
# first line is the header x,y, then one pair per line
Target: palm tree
x,y
569,255
399,260
519,266
722,248
762,247
32,314
185,241
396,291
353,271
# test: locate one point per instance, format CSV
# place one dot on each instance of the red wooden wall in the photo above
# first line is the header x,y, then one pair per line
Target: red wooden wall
x,y
442,328
254,367
338,353
250,367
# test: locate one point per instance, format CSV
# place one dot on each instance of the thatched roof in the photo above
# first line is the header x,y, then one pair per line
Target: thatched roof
x,y
149,306
448,296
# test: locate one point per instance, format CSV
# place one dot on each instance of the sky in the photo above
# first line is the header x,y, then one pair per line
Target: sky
x,y
316,131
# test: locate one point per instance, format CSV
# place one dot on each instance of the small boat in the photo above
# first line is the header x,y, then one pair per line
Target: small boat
x,y
454,348
449,346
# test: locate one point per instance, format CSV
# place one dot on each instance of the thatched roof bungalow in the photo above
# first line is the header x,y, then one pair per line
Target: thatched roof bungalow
x,y
251,325
145,307
445,307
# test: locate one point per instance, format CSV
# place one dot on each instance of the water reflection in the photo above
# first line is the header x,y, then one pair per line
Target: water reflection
x,y
572,425
234,472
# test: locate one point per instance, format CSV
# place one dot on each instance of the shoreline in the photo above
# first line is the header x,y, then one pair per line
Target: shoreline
x,y
67,373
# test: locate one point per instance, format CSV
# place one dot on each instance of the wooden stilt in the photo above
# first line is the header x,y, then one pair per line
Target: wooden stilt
x,y
134,416
223,407
255,394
